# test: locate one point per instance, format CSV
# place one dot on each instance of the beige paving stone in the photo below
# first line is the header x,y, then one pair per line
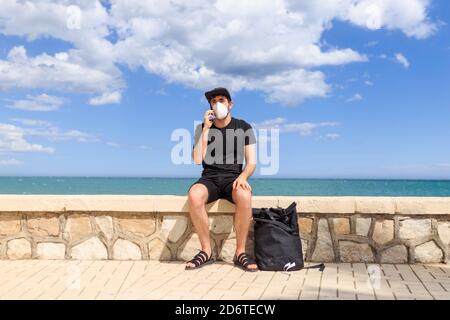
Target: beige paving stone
x,y
384,295
82,279
76,279
309,295
115,281
34,282
137,270
20,276
66,279
92,288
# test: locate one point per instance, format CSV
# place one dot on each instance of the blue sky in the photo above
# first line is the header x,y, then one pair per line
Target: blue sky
x,y
110,108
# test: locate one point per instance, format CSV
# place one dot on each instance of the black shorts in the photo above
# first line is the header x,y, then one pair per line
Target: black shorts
x,y
219,187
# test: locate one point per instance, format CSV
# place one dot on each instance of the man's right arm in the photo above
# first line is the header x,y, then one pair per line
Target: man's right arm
x,y
199,152
201,139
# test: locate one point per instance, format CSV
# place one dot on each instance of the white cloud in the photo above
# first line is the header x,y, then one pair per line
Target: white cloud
x,y
113,144
128,146
400,58
15,139
106,98
410,16
161,92
12,139
10,162
55,134
333,136
306,128
63,71
88,68
302,128
271,123
41,102
32,122
372,43
355,97
272,46
292,87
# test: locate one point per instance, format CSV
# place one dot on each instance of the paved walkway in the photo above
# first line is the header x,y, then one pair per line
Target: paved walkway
x,y
68,279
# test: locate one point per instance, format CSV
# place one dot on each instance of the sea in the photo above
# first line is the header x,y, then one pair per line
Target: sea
x,y
260,186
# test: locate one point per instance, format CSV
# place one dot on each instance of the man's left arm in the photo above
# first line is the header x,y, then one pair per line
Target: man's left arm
x,y
250,166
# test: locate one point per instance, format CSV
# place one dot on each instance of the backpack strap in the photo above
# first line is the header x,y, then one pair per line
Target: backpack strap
x,y
321,267
291,207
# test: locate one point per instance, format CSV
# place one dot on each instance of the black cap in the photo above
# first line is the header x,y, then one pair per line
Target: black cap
x,y
217,92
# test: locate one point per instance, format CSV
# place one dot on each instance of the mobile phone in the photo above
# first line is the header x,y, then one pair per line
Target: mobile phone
x,y
211,117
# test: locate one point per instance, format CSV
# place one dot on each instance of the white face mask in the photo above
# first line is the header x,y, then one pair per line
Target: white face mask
x,y
220,110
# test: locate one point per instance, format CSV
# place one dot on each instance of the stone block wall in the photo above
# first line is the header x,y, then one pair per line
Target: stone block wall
x,y
377,238
333,229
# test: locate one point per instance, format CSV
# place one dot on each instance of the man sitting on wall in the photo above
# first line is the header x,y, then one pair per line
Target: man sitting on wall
x,y
221,144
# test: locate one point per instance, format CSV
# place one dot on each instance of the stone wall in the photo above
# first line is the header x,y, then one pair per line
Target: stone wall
x,y
333,229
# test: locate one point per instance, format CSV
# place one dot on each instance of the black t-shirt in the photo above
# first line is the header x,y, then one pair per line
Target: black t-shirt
x,y
225,153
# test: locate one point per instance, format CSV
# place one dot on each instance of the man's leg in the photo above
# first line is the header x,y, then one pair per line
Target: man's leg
x,y
197,198
242,219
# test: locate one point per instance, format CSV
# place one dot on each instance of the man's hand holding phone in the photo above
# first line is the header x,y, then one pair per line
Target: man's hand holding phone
x,y
208,119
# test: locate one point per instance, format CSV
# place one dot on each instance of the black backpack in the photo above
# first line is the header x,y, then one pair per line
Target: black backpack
x,y
277,240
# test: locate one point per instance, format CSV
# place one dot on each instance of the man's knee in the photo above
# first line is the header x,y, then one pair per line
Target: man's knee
x,y
197,195
242,197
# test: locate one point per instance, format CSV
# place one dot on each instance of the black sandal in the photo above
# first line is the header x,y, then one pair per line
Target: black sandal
x,y
243,261
200,260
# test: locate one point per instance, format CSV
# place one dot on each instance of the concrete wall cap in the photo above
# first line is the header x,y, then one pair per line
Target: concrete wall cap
x,y
179,204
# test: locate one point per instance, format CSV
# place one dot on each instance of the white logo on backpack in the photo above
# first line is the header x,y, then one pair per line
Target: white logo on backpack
x,y
288,266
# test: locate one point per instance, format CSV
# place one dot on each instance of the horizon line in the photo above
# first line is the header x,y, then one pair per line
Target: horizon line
x,y
252,178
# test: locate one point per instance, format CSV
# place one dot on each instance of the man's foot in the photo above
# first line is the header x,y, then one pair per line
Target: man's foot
x,y
200,259
245,262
